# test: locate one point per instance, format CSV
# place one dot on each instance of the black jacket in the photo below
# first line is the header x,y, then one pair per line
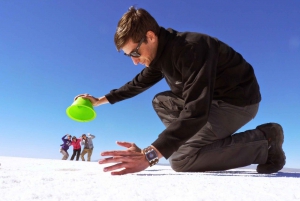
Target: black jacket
x,y
198,68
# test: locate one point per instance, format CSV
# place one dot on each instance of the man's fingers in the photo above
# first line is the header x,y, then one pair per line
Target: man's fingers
x,y
120,159
81,95
125,144
120,153
113,167
101,160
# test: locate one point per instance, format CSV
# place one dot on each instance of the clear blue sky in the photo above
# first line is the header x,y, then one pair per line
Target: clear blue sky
x,y
52,50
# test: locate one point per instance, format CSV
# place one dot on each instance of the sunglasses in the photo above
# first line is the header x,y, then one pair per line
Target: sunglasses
x,y
135,53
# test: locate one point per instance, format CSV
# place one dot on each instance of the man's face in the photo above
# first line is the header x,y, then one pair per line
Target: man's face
x,y
146,50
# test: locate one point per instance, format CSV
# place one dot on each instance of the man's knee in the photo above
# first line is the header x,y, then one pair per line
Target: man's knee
x,y
188,162
168,101
160,97
178,165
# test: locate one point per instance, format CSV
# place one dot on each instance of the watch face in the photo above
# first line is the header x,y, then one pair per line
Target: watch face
x,y
151,155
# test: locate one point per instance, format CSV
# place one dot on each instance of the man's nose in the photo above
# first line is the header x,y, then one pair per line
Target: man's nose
x,y
135,60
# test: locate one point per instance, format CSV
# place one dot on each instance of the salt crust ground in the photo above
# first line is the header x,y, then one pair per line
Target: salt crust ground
x,y
45,179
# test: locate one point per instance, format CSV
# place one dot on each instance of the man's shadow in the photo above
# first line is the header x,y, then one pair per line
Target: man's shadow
x,y
160,172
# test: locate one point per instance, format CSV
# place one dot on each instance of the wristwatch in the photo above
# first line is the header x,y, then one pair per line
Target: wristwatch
x,y
151,155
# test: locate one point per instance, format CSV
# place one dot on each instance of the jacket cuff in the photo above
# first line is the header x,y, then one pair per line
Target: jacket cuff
x,y
111,99
162,147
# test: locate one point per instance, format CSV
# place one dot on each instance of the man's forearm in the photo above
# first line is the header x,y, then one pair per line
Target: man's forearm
x,y
102,100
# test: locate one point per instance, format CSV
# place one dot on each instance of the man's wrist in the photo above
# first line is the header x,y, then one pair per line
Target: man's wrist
x,y
101,100
151,155
158,153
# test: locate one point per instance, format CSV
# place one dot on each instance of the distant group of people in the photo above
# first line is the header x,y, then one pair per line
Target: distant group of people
x,y
85,140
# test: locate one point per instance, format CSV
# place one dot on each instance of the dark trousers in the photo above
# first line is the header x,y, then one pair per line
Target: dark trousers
x,y
76,152
215,146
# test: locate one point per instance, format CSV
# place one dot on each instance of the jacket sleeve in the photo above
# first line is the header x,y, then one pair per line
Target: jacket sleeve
x,y
91,136
197,62
63,138
143,81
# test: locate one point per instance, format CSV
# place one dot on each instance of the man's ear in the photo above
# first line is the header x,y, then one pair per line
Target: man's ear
x,y
151,37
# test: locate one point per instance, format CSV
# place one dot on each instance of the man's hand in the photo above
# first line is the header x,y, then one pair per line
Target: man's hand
x,y
93,99
129,161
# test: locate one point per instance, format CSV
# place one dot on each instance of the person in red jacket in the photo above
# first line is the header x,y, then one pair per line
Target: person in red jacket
x,y
76,147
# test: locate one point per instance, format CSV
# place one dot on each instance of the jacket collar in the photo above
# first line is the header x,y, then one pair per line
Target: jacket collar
x,y
163,37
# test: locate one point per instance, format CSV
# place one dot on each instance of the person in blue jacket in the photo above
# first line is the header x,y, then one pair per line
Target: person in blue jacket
x,y
65,146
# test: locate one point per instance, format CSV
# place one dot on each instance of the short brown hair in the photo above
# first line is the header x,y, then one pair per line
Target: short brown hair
x,y
134,24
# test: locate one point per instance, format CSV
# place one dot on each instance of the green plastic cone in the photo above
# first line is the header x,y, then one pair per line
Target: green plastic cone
x,y
81,110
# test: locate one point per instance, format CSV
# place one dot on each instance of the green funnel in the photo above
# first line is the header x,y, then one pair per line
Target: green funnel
x,y
81,110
